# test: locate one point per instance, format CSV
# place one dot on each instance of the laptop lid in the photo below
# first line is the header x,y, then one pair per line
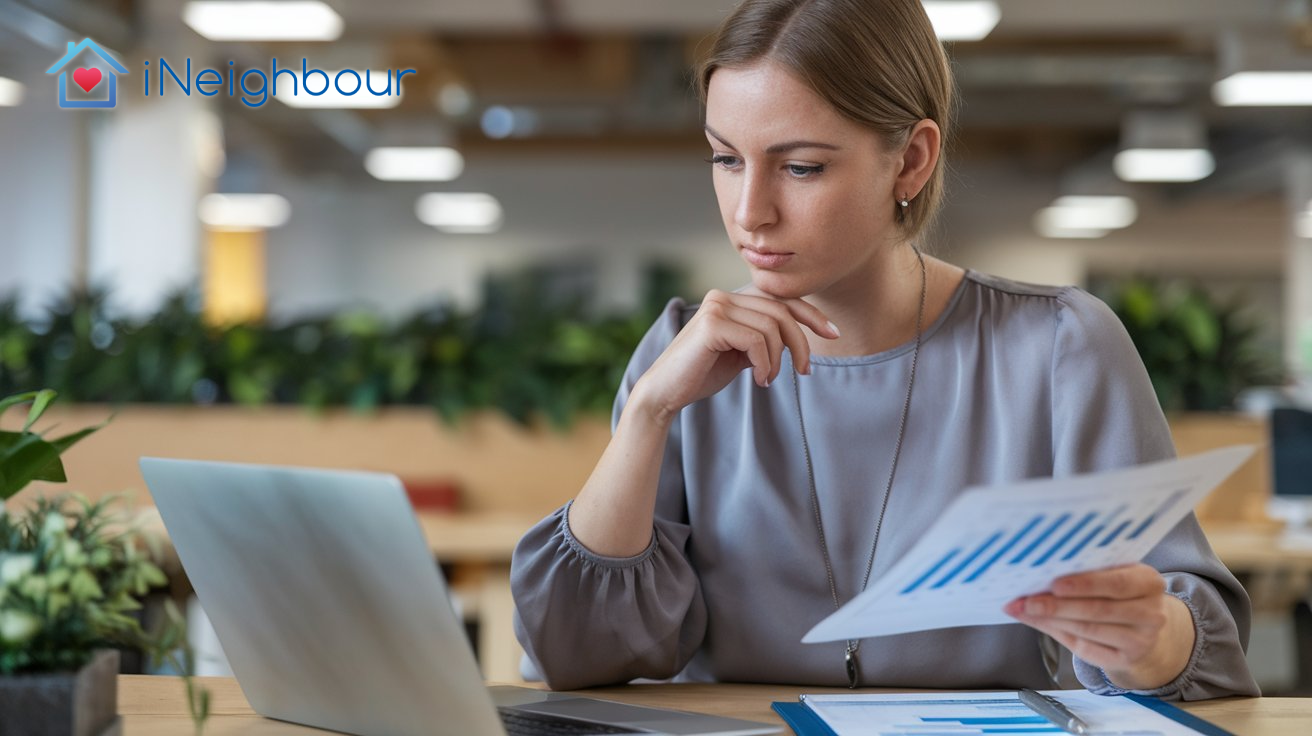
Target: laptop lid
x,y
324,594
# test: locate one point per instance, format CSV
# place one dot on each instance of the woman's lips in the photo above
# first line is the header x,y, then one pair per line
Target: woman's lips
x,y
765,260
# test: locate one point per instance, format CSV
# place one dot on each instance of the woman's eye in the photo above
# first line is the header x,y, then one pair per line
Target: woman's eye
x,y
727,162
802,172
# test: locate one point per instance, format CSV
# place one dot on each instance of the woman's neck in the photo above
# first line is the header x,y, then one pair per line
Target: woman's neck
x,y
876,308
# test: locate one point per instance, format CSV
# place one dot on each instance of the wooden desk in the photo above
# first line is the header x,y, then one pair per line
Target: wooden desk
x,y
156,706
1276,574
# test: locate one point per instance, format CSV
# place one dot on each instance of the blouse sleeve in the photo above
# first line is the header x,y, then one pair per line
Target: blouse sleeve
x,y
1105,415
585,619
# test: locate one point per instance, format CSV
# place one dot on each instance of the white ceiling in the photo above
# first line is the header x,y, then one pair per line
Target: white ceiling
x,y
1021,17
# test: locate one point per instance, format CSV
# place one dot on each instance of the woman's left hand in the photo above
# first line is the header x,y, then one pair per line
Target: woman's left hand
x,y
1120,619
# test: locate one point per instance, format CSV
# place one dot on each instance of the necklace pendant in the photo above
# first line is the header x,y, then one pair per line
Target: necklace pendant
x,y
853,668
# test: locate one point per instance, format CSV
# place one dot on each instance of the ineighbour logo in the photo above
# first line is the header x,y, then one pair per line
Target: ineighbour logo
x,y
255,87
88,78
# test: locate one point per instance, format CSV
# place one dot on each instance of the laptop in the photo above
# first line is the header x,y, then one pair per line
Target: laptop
x,y
332,612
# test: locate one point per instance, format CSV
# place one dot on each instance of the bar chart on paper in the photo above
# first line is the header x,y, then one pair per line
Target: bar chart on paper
x,y
995,544
954,714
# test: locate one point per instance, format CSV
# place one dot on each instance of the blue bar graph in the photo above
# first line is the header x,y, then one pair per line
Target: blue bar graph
x,y
966,562
1081,544
1066,538
1168,503
1004,549
915,731
1035,544
1112,517
930,572
1114,533
988,720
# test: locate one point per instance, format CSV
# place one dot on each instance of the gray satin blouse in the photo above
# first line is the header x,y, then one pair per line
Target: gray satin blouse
x,y
1015,381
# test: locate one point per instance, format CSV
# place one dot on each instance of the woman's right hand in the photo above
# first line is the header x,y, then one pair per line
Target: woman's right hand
x,y
731,331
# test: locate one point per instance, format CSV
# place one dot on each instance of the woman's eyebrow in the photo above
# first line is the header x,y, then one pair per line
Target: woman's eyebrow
x,y
778,147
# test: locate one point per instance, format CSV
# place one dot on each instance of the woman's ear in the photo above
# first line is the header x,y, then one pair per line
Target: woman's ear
x,y
918,158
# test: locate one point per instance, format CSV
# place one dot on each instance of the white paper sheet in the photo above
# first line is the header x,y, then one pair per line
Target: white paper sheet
x,y
995,544
950,714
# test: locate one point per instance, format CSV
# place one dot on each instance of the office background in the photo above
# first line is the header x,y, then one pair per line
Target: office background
x,y
253,283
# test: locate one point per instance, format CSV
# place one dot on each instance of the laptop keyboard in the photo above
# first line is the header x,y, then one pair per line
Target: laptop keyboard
x,y
522,723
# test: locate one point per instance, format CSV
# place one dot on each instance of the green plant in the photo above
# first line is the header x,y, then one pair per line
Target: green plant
x,y
25,455
1199,352
72,573
526,352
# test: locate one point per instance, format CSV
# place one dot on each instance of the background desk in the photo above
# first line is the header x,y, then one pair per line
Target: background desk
x,y
1275,574
156,706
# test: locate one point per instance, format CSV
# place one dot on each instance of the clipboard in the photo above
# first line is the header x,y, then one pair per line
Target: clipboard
x,y
805,721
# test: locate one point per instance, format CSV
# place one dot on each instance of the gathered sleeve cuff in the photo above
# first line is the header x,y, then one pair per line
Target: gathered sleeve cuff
x,y
587,619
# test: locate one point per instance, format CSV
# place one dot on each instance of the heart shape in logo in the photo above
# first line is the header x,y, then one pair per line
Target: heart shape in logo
x,y
87,79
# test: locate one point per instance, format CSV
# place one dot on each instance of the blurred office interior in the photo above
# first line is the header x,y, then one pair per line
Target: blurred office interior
x,y
445,283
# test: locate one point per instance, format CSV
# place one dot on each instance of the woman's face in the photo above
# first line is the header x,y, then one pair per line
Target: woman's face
x,y
806,195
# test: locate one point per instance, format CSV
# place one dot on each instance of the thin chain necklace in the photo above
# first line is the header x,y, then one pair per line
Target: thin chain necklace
x,y
849,657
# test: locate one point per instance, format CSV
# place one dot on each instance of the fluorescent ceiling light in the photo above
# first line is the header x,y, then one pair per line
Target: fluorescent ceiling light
x,y
1269,89
962,20
244,211
1085,216
414,163
11,92
460,212
296,20
1092,212
1164,164
332,98
1046,224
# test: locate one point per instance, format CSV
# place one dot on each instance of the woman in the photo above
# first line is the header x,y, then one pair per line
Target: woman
x,y
777,447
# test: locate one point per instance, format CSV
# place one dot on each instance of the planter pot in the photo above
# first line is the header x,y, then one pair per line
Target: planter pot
x,y
82,703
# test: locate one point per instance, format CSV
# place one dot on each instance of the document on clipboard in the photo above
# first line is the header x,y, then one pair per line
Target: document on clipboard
x,y
952,713
998,543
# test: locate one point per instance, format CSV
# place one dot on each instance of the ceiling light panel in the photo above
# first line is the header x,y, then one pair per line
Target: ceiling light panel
x,y
296,20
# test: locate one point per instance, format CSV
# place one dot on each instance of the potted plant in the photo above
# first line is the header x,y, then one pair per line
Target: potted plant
x,y
71,577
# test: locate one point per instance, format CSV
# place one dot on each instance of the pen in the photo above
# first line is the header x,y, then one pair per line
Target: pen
x,y
1053,710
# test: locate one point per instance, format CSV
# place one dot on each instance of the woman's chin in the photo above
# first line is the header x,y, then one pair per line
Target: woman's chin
x,y
778,285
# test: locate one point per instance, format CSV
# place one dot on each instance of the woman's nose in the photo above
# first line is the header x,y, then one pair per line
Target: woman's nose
x,y
755,203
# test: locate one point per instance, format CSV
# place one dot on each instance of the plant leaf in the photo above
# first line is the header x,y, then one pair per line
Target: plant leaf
x,y
24,461
63,443
53,473
16,399
39,404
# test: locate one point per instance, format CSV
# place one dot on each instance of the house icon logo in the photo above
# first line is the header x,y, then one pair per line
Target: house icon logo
x,y
88,78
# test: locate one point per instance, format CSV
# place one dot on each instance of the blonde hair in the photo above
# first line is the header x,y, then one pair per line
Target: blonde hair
x,y
877,62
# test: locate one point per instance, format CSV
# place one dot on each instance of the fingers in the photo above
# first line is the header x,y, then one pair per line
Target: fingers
x,y
740,337
1112,632
1110,646
1146,611
1128,581
770,329
1122,636
798,310
1088,650
777,321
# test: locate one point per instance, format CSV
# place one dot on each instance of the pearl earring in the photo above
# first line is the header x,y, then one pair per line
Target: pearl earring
x,y
904,202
